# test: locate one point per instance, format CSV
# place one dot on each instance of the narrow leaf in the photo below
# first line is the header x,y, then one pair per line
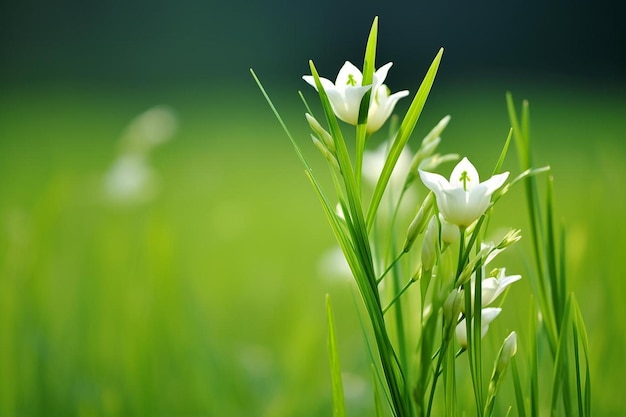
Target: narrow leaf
x,y
339,406
406,128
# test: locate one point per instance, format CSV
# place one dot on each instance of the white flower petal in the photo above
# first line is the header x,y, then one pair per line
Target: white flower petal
x,y
495,182
487,315
382,106
381,74
349,76
327,84
464,170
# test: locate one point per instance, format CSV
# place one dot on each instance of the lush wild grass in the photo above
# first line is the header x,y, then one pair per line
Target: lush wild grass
x,y
209,300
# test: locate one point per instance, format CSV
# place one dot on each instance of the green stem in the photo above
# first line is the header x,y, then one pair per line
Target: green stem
x,y
391,265
399,294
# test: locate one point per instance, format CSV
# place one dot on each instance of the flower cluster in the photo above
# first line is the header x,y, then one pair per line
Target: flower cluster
x,y
347,92
460,201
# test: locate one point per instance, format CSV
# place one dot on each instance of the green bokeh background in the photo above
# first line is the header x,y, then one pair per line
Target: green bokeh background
x,y
209,299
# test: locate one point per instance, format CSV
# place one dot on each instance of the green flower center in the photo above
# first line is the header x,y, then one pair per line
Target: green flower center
x,y
351,81
464,179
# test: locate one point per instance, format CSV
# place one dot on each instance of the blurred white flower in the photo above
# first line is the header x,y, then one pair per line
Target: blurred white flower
x,y
487,315
464,198
130,179
346,93
374,162
151,128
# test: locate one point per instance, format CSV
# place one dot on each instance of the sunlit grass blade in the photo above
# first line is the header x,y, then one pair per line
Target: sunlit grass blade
x,y
520,399
406,128
557,295
339,406
369,67
533,360
376,371
560,376
522,140
280,120
505,150
581,330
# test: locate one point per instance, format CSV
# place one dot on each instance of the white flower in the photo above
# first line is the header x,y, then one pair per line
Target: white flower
x,y
492,287
487,315
464,198
346,93
381,107
130,180
150,129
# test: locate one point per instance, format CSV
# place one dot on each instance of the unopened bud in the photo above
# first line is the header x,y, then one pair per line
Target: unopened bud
x,y
321,133
429,246
510,238
508,350
431,163
452,306
436,131
419,222
327,154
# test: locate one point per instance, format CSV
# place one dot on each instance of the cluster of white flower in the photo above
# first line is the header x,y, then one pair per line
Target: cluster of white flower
x,y
460,201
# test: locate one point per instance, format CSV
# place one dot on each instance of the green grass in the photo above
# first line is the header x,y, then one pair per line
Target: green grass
x,y
209,301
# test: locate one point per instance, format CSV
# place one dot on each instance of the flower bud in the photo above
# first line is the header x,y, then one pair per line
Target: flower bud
x,y
419,222
321,133
327,154
508,350
452,306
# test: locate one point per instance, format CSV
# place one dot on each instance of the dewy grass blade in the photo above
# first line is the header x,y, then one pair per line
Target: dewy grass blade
x,y
406,128
339,406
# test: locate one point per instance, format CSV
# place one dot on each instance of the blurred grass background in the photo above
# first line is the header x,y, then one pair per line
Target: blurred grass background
x,y
208,300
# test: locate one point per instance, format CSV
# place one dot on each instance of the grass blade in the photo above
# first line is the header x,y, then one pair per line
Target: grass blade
x,y
339,405
406,128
